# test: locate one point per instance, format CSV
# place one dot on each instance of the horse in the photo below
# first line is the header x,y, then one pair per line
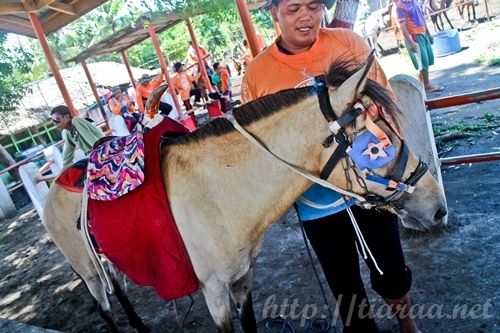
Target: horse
x,y
370,27
371,24
461,5
229,181
432,6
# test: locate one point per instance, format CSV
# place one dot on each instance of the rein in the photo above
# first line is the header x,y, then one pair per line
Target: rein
x,y
336,125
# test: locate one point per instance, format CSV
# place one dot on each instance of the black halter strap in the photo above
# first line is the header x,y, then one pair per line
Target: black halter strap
x,y
321,90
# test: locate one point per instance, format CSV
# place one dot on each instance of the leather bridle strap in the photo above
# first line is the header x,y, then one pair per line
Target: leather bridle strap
x,y
338,154
402,162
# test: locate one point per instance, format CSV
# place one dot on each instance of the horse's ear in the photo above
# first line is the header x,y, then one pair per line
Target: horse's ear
x,y
353,87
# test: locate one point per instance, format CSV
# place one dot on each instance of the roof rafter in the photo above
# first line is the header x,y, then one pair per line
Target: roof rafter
x,y
12,8
62,7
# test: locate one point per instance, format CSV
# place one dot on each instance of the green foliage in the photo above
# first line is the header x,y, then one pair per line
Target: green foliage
x,y
218,29
14,75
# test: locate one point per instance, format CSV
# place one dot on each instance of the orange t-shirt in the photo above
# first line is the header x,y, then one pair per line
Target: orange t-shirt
x,y
224,78
182,83
143,91
272,71
116,105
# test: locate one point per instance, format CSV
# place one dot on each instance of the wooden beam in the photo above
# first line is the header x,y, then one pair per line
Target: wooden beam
x,y
15,20
62,7
11,8
30,6
43,3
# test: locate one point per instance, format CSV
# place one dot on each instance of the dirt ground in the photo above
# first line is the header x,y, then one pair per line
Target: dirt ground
x,y
456,285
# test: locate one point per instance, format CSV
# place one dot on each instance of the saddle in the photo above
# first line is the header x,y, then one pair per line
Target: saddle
x,y
137,231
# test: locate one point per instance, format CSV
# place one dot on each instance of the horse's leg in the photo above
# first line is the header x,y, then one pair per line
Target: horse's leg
x,y
440,18
241,292
473,12
96,288
447,19
435,22
120,287
217,297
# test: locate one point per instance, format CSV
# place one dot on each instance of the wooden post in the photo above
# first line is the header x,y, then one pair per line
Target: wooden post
x,y
164,68
201,62
248,26
94,91
37,26
125,61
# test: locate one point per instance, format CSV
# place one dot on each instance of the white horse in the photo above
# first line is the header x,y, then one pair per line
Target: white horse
x,y
370,27
239,190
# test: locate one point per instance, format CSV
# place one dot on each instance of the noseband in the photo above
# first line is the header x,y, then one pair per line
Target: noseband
x,y
394,183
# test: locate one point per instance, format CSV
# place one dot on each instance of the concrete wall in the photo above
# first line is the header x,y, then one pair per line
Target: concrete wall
x,y
7,207
417,129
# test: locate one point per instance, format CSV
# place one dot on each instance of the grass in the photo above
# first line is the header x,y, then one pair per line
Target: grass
x,y
486,123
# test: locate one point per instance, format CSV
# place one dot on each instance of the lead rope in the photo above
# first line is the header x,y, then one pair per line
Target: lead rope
x,y
84,231
295,169
362,242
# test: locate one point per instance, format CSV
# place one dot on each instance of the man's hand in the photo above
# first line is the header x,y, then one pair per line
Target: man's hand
x,y
431,39
413,46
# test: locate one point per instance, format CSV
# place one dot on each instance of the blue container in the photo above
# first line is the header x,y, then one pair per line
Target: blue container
x,y
446,42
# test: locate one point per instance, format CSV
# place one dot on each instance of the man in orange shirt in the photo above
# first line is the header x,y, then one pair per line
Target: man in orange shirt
x,y
183,84
301,52
144,89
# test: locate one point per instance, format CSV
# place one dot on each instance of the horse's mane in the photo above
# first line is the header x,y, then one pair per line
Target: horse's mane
x,y
246,114
265,106
340,71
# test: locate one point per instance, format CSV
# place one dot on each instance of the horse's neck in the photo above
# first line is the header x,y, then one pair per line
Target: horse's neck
x,y
237,187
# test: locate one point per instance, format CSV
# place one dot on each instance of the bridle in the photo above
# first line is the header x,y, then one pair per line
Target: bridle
x,y
394,183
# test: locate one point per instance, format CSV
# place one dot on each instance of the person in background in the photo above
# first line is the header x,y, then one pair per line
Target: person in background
x,y
304,51
144,89
183,84
418,40
76,132
191,55
119,103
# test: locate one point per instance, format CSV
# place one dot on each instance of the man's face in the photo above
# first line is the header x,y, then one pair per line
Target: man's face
x,y
61,122
299,21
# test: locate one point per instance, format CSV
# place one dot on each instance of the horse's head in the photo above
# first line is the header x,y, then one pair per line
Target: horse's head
x,y
381,168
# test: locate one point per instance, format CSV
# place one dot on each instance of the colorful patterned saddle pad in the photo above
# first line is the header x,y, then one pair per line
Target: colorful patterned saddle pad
x,y
116,166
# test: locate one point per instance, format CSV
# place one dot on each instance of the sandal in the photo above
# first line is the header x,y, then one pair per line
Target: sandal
x,y
435,89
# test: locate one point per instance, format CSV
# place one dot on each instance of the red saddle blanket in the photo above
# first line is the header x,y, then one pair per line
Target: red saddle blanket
x,y
137,231
73,177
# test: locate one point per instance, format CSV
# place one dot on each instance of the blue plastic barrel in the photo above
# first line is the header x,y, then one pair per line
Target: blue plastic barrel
x,y
446,42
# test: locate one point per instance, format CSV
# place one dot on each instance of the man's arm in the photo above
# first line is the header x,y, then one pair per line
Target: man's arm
x,y
157,81
68,150
138,98
411,43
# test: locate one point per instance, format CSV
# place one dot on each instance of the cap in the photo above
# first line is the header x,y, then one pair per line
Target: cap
x,y
329,3
144,78
115,90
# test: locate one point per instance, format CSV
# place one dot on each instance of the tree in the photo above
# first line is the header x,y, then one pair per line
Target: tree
x,y
345,14
14,77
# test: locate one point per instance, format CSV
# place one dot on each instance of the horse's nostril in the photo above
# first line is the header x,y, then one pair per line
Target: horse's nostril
x,y
440,213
